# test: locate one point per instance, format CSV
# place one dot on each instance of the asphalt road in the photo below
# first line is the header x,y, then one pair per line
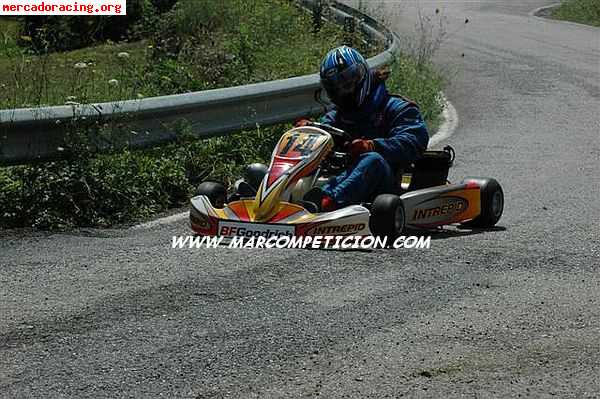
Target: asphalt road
x,y
506,313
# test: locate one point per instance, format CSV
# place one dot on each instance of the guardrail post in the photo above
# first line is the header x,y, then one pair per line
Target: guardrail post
x,y
317,14
349,29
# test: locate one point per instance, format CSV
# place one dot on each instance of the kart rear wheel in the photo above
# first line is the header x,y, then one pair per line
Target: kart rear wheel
x,y
492,203
388,216
216,193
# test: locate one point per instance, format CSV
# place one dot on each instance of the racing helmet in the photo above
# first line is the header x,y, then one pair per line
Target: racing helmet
x,y
345,77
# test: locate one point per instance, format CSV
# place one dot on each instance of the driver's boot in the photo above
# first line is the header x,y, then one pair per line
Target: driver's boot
x,y
321,201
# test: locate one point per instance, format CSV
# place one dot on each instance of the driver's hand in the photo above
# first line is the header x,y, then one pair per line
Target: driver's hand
x,y
301,122
358,147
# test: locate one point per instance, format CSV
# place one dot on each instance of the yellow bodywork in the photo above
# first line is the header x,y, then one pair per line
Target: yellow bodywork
x,y
298,153
244,210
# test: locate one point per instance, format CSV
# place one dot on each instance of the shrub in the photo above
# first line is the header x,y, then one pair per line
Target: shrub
x,y
101,191
421,83
62,33
163,5
232,45
117,188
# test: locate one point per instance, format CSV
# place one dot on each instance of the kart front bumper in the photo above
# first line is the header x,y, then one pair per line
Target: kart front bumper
x,y
236,219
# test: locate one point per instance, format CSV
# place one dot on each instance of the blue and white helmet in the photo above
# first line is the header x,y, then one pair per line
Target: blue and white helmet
x,y
345,77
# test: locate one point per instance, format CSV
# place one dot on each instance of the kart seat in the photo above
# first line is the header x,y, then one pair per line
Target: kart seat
x,y
429,171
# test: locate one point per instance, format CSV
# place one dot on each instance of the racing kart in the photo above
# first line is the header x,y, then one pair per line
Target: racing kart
x,y
276,200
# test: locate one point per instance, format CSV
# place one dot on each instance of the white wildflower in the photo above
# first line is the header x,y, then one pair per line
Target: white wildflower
x,y
81,65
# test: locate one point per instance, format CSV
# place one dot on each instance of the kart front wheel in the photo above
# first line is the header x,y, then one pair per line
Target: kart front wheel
x,y
388,216
254,174
216,193
492,203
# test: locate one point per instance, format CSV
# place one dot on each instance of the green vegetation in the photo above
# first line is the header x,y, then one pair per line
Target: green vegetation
x,y
108,189
420,82
116,188
197,45
43,34
582,11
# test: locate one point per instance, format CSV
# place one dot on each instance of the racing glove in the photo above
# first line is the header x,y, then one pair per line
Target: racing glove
x,y
358,147
328,204
301,122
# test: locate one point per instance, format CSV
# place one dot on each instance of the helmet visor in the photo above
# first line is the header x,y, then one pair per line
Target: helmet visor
x,y
340,86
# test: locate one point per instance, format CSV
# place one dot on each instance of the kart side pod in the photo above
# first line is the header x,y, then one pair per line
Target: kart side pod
x,y
476,202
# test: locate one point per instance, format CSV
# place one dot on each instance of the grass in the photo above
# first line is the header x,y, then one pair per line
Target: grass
x,y
582,11
246,42
55,80
420,82
52,79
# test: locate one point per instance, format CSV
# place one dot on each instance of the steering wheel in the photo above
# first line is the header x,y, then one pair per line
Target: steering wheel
x,y
337,160
334,131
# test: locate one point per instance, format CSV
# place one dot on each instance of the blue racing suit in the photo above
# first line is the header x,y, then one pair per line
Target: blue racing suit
x,y
399,135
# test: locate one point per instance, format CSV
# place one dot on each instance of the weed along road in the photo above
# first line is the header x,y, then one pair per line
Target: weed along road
x,y
504,313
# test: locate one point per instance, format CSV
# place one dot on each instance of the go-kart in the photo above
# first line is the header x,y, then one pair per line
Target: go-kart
x,y
275,200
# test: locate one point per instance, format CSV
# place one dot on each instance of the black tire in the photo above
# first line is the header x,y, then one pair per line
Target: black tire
x,y
216,193
388,216
254,174
492,203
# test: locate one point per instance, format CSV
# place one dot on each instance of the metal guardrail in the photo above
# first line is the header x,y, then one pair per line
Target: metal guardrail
x,y
31,134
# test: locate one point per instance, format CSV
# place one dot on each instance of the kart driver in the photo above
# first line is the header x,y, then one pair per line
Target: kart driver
x,y
387,131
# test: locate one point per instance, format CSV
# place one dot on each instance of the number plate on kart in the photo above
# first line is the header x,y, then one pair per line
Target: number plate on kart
x,y
240,229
